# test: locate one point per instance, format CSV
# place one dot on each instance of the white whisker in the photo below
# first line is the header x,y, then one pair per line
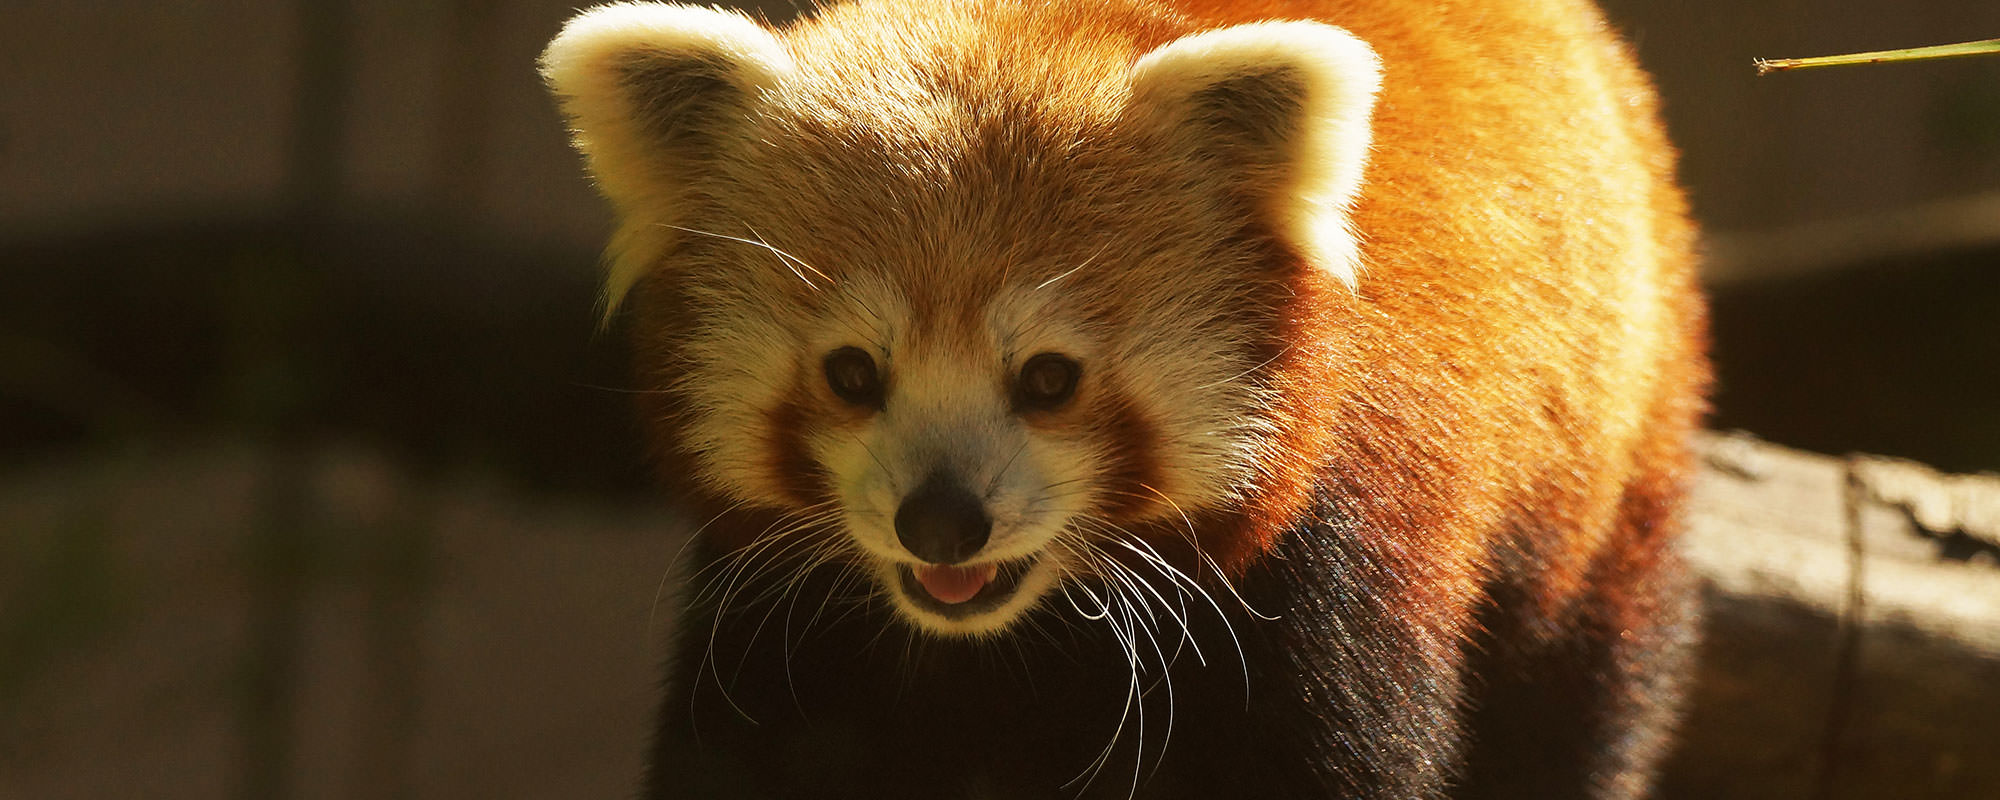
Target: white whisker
x,y
791,262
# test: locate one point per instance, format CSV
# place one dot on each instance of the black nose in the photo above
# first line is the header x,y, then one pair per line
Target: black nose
x,y
941,522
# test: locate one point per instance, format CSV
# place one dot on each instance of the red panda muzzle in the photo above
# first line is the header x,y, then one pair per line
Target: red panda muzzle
x,y
941,522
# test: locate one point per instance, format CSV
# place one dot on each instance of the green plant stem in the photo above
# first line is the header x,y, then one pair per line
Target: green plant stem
x,y
1979,48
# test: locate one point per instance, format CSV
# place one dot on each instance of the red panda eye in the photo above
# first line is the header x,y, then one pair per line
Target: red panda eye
x,y
850,373
1047,381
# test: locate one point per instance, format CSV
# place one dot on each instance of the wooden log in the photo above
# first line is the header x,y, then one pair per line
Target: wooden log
x,y
1852,641
1852,633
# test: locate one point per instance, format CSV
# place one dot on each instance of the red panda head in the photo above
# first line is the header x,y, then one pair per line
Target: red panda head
x,y
989,312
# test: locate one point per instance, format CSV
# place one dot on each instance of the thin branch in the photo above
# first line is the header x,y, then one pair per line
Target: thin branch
x,y
1979,48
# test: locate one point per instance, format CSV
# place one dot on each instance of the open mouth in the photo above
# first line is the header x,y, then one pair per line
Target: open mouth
x,y
962,592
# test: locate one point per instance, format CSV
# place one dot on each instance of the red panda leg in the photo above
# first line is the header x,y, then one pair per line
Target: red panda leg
x,y
1587,709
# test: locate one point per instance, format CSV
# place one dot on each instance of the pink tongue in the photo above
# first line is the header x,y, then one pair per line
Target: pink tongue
x,y
955,584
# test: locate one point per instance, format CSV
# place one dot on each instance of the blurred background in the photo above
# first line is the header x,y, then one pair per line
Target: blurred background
x,y
316,479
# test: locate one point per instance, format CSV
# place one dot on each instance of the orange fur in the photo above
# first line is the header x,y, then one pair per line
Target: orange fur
x,y
1496,393
1525,316
1528,336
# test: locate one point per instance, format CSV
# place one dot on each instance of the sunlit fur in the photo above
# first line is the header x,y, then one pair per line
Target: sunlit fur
x,y
586,67
880,220
1318,165
1389,347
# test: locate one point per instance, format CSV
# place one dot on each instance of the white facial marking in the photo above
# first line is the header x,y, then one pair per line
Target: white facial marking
x,y
948,411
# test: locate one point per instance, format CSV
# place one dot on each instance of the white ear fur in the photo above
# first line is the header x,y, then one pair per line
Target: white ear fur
x,y
1321,135
646,86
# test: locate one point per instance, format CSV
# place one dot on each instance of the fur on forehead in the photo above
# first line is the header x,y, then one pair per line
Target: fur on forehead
x,y
680,107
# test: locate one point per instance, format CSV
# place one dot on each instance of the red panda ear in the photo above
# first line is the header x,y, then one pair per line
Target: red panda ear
x,y
652,92
1283,106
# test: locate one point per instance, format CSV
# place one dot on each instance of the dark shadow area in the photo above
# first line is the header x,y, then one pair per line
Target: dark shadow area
x,y
444,351
456,351
1761,722
1900,357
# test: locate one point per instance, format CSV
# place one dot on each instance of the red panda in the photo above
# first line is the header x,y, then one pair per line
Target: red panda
x,y
1197,399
